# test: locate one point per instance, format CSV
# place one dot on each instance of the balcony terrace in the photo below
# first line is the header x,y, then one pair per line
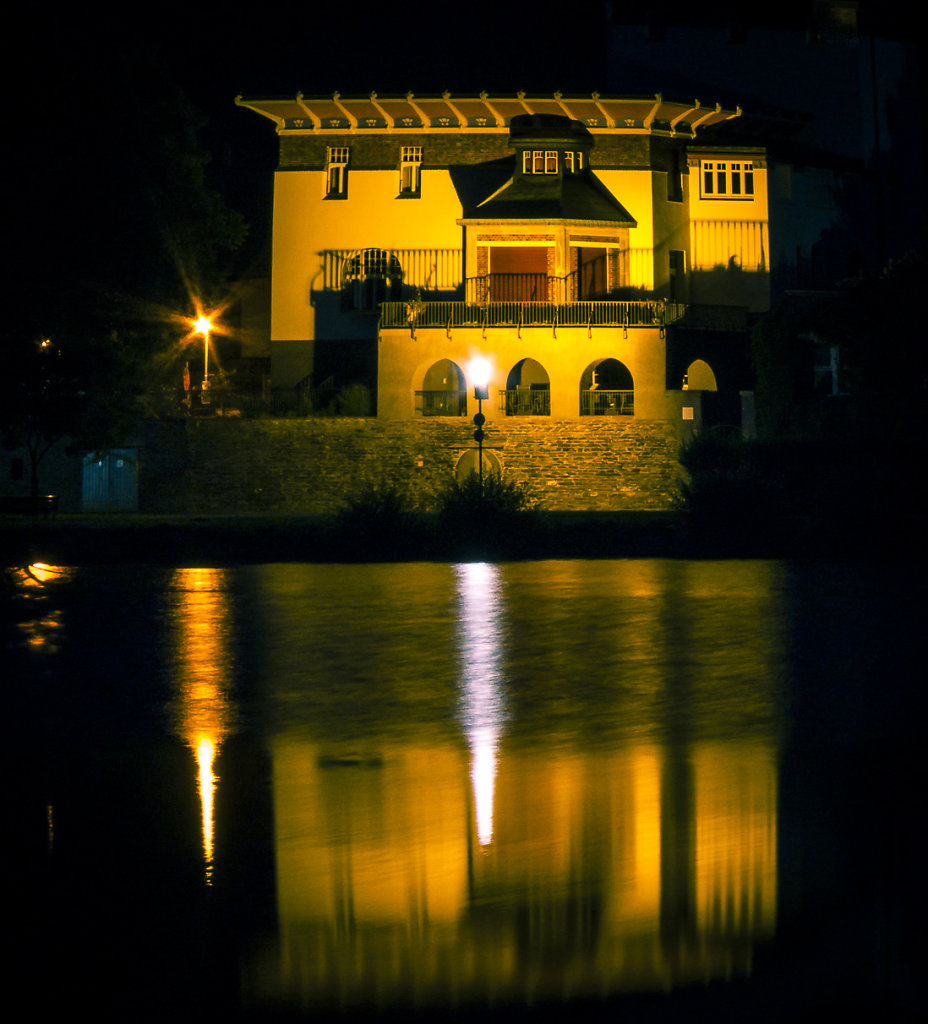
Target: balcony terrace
x,y
527,313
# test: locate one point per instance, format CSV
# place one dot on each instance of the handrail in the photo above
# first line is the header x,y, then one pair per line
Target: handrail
x,y
587,313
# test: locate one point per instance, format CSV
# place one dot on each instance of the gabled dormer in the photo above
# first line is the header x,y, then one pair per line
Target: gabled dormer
x,y
551,178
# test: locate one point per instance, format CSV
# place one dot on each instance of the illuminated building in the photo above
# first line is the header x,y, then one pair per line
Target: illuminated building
x,y
605,253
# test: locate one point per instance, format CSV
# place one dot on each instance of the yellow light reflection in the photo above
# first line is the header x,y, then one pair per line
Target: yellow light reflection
x,y
483,709
203,711
33,586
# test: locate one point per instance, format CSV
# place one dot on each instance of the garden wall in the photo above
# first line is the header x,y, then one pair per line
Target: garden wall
x,y
313,465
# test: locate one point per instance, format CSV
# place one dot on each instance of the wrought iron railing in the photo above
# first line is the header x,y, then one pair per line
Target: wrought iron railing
x,y
433,270
607,403
585,313
525,401
441,403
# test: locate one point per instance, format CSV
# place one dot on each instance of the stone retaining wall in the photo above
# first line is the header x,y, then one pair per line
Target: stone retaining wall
x,y
313,465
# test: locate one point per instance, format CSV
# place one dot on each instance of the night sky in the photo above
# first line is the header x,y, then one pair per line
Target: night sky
x,y
83,82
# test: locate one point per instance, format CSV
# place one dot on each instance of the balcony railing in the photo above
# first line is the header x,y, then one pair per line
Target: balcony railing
x,y
583,313
607,403
432,270
525,402
441,403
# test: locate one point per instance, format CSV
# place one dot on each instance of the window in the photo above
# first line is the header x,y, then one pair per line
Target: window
x,y
573,162
539,161
336,172
410,170
677,265
728,179
675,179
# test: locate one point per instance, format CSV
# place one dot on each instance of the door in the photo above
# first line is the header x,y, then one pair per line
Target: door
x,y
110,481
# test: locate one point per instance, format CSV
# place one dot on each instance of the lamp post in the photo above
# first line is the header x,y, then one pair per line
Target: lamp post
x,y
480,376
204,325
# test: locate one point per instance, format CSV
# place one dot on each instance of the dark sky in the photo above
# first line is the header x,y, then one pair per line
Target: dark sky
x,y
81,82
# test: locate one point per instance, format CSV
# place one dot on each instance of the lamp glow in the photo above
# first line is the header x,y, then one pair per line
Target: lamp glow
x,y
203,325
479,370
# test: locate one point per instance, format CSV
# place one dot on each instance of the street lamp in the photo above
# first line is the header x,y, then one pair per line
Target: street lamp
x,y
479,371
203,325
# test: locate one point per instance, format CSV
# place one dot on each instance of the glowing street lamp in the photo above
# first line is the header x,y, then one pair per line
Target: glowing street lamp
x,y
203,325
479,372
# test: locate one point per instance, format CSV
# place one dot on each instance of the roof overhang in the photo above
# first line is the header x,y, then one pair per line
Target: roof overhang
x,y
447,113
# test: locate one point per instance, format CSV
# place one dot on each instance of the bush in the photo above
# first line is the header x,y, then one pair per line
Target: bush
x,y
498,516
378,521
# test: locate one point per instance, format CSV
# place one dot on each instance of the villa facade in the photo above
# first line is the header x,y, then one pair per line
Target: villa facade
x,y
603,255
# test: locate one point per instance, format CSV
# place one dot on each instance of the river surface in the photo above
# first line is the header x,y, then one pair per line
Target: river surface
x,y
319,789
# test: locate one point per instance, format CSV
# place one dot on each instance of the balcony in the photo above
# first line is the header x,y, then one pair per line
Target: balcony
x,y
525,402
607,403
450,313
441,403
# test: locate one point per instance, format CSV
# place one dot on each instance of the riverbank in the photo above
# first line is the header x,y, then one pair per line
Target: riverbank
x,y
233,539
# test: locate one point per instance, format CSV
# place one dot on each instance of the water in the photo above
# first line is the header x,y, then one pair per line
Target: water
x,y
325,789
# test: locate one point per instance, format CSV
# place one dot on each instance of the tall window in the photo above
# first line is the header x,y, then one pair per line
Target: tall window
x,y
410,170
727,179
677,268
573,162
336,172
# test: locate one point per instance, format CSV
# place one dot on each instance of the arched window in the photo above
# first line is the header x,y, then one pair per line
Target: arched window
x,y
607,389
528,390
699,377
444,392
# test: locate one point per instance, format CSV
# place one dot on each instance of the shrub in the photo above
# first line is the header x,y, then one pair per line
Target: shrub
x,y
378,521
497,516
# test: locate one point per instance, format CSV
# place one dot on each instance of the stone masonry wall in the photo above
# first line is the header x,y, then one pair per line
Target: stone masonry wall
x,y
314,465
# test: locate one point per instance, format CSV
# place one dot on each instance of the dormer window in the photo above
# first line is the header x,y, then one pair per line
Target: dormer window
x,y
539,161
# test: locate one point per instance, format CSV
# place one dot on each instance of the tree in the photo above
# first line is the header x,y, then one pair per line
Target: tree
x,y
111,224
83,394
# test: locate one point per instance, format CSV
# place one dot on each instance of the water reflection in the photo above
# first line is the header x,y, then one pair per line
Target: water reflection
x,y
463,784
622,799
35,587
200,623
483,709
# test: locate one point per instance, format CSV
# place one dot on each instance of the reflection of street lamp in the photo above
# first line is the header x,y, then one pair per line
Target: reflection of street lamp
x,y
480,376
204,325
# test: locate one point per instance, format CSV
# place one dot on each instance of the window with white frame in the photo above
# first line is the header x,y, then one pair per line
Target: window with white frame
x,y
539,161
727,179
410,170
336,172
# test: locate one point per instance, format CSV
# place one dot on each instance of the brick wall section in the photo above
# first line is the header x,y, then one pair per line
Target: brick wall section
x,y
381,149
313,465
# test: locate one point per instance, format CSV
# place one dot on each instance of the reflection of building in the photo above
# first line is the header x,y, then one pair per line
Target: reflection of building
x,y
575,242
386,894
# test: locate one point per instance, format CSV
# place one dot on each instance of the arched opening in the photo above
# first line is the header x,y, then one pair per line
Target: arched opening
x,y
699,377
468,464
528,390
443,391
372,276
607,389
